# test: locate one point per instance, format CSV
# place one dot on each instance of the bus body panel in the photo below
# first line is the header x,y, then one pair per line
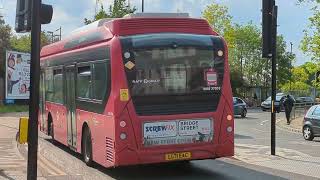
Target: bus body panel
x,y
58,113
127,155
108,148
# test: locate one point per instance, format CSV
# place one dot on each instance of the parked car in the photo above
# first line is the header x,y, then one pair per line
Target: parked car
x,y
305,100
311,123
280,97
239,107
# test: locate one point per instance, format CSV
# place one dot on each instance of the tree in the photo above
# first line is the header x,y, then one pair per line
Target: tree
x,y
248,68
311,41
23,43
300,76
218,17
117,10
285,62
5,33
246,53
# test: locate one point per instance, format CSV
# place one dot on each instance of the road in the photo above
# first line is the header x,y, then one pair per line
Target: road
x,y
251,130
255,129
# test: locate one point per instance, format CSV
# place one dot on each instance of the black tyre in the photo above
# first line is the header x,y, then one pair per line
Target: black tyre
x,y
87,147
51,132
307,133
50,128
244,113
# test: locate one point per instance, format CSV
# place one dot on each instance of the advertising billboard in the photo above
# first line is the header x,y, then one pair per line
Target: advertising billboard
x,y
17,75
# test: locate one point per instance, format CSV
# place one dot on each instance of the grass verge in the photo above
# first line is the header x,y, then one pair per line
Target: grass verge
x,y
13,108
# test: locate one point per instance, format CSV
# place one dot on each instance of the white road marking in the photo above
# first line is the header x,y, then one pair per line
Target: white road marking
x,y
259,130
263,122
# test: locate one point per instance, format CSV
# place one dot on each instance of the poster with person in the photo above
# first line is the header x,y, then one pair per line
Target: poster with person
x,y
17,75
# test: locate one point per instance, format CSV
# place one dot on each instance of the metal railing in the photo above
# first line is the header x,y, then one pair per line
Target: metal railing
x,y
300,109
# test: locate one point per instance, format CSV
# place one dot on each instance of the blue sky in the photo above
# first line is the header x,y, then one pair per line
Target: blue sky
x,y
293,18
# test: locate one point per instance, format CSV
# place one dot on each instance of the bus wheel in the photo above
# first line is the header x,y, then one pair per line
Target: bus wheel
x,y
87,147
50,128
51,131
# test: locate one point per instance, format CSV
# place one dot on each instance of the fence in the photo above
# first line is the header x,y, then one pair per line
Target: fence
x,y
300,109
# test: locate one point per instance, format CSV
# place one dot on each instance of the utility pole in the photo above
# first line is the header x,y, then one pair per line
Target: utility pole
x,y
30,14
53,35
291,44
269,50
60,34
274,78
142,5
34,91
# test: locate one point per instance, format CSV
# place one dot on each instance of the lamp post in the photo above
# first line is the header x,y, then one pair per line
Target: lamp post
x,y
53,35
291,44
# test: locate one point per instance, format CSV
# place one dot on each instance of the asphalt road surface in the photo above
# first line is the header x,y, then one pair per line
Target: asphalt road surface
x,y
255,129
251,130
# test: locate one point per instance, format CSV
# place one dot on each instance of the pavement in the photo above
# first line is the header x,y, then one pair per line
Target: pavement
x,y
13,158
285,160
295,124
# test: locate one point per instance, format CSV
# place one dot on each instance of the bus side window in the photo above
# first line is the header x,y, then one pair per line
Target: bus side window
x,y
58,86
49,84
100,80
84,83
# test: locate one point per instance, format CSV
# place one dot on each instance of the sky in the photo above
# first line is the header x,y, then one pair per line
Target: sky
x,y
70,14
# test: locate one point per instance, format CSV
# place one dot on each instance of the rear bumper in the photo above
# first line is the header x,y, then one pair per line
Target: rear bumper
x,y
150,156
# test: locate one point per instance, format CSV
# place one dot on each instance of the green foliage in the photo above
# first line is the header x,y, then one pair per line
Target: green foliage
x,y
311,41
117,10
244,41
303,78
295,86
5,34
218,17
23,43
237,82
285,62
14,108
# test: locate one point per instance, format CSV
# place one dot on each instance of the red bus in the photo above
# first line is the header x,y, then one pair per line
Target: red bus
x,y
146,88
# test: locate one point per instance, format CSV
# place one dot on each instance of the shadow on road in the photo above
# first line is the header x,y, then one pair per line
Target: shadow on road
x,y
246,118
238,136
2,174
204,170
161,171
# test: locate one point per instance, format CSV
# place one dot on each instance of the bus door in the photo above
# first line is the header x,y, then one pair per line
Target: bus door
x,y
42,102
71,105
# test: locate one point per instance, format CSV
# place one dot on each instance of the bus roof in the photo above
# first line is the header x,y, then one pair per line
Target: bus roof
x,y
141,23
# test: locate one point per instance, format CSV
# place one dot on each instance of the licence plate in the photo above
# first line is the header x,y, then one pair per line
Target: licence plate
x,y
178,156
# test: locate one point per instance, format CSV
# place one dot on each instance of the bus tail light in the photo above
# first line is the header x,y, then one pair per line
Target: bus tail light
x,y
123,136
229,129
229,117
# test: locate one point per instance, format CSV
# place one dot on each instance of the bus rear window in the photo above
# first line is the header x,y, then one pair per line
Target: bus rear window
x,y
172,73
167,64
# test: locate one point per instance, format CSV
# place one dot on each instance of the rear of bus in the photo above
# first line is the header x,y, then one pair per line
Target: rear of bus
x,y
176,100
